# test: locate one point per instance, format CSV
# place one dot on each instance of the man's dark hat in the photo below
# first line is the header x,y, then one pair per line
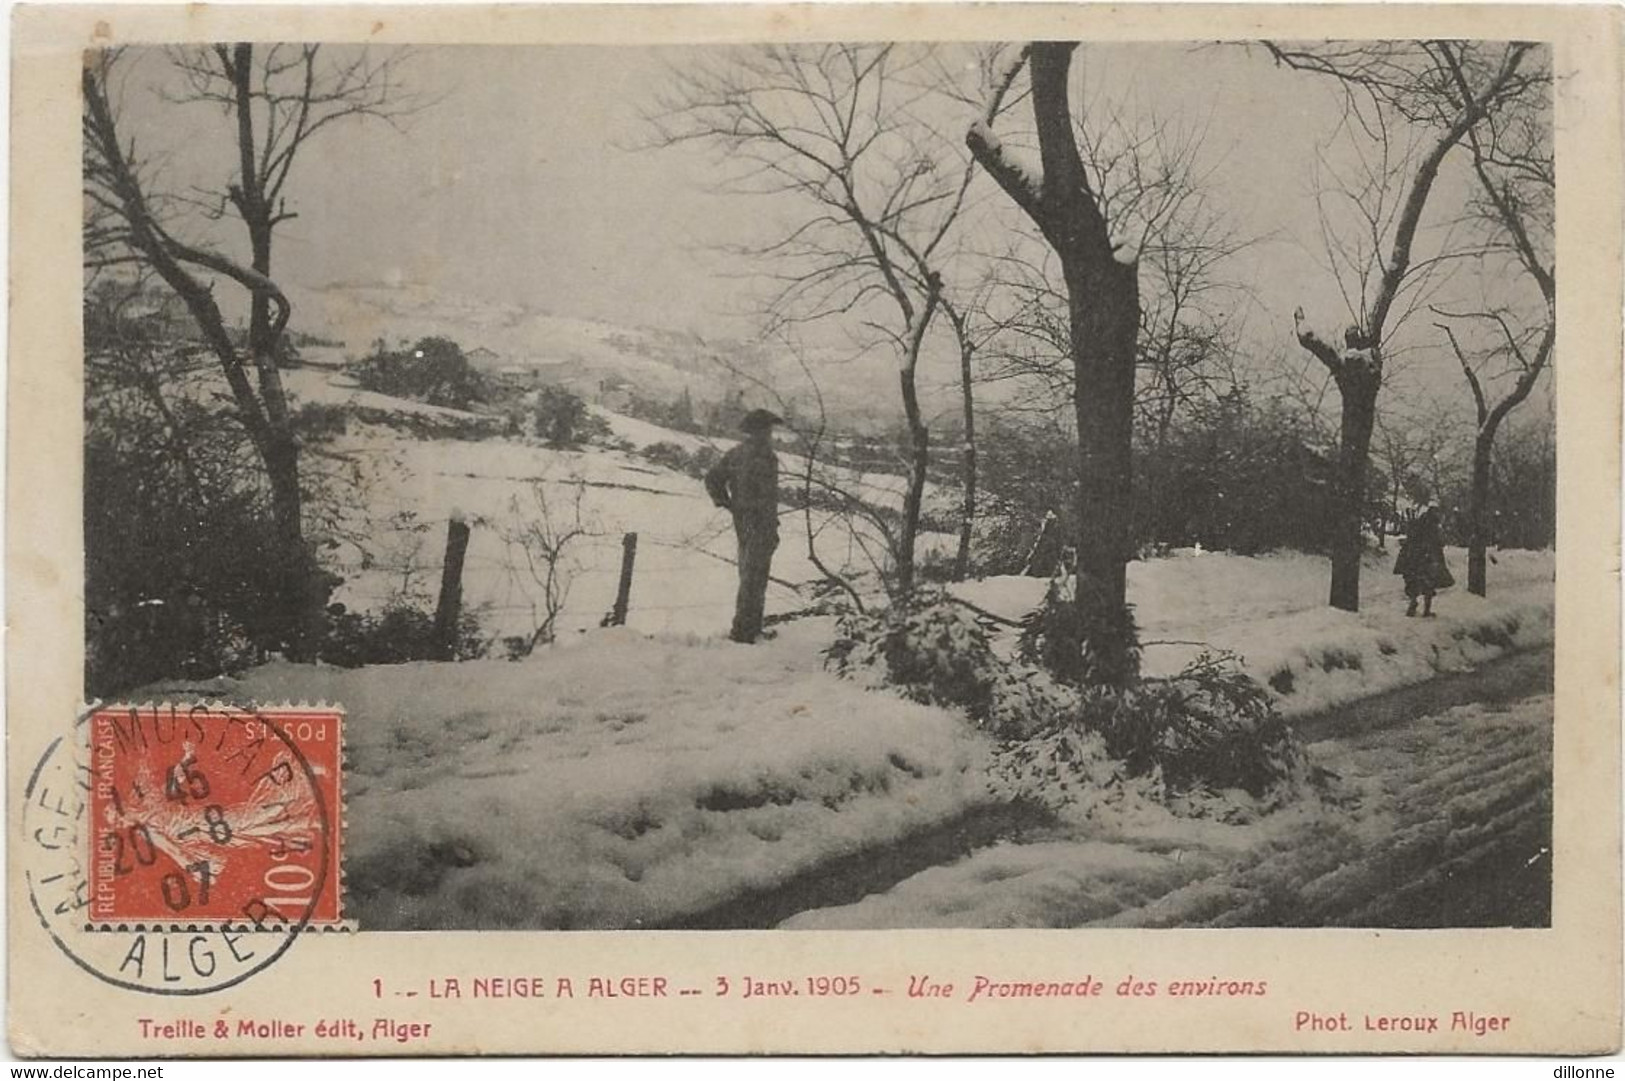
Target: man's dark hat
x,y
759,420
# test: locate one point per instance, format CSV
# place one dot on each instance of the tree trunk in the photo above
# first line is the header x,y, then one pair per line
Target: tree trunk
x,y
1104,302
299,599
919,439
1478,502
967,524
301,594
1103,299
1357,386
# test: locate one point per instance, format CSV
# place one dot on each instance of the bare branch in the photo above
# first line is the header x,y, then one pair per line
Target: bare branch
x,y
1467,370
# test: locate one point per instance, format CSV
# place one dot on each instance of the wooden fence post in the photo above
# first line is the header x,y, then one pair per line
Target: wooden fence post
x,y
623,591
451,589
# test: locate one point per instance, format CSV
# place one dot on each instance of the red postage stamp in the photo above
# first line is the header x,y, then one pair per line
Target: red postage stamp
x,y
216,814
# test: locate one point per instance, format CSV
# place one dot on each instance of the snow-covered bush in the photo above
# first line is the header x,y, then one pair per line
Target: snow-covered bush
x,y
1212,726
1065,770
1059,638
929,648
434,370
319,422
563,419
1207,742
1026,702
938,652
1194,741
942,510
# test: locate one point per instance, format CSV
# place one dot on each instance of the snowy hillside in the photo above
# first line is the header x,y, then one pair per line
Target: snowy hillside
x,y
410,486
584,354
684,577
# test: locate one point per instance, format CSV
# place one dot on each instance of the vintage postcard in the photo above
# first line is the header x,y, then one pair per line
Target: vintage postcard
x,y
802,529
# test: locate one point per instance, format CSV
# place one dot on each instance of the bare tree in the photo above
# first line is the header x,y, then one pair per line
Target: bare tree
x,y
278,98
1526,364
1152,174
1416,452
539,537
838,129
970,334
1101,272
1443,89
1513,162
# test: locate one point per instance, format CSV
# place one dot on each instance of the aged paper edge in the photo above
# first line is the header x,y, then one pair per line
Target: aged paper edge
x,y
1562,983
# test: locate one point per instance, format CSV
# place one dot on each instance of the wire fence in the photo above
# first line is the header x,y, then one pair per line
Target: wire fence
x,y
510,586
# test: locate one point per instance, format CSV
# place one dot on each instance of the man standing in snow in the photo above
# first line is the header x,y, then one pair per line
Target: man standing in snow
x,y
746,483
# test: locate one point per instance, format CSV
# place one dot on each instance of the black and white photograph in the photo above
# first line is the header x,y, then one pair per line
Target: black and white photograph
x,y
849,484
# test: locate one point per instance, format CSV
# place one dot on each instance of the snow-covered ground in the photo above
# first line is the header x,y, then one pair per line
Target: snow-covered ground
x,y
313,385
1456,799
623,785
685,576
1271,611
646,780
640,776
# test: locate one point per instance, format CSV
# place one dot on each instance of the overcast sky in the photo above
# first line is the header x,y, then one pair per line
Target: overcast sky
x,y
521,182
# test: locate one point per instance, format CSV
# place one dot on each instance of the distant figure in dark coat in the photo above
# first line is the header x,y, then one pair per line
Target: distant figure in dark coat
x,y
746,483
1421,562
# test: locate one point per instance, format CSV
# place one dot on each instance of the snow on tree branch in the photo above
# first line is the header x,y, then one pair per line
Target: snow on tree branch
x,y
1320,348
1022,181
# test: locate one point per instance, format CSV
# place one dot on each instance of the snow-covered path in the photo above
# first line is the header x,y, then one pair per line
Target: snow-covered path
x,y
1439,818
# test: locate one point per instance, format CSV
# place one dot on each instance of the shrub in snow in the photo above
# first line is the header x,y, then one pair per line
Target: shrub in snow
x,y
937,566
398,634
1065,770
937,652
182,573
563,419
517,422
432,371
319,422
1059,638
1026,702
942,510
678,459
929,648
1212,726
1207,742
